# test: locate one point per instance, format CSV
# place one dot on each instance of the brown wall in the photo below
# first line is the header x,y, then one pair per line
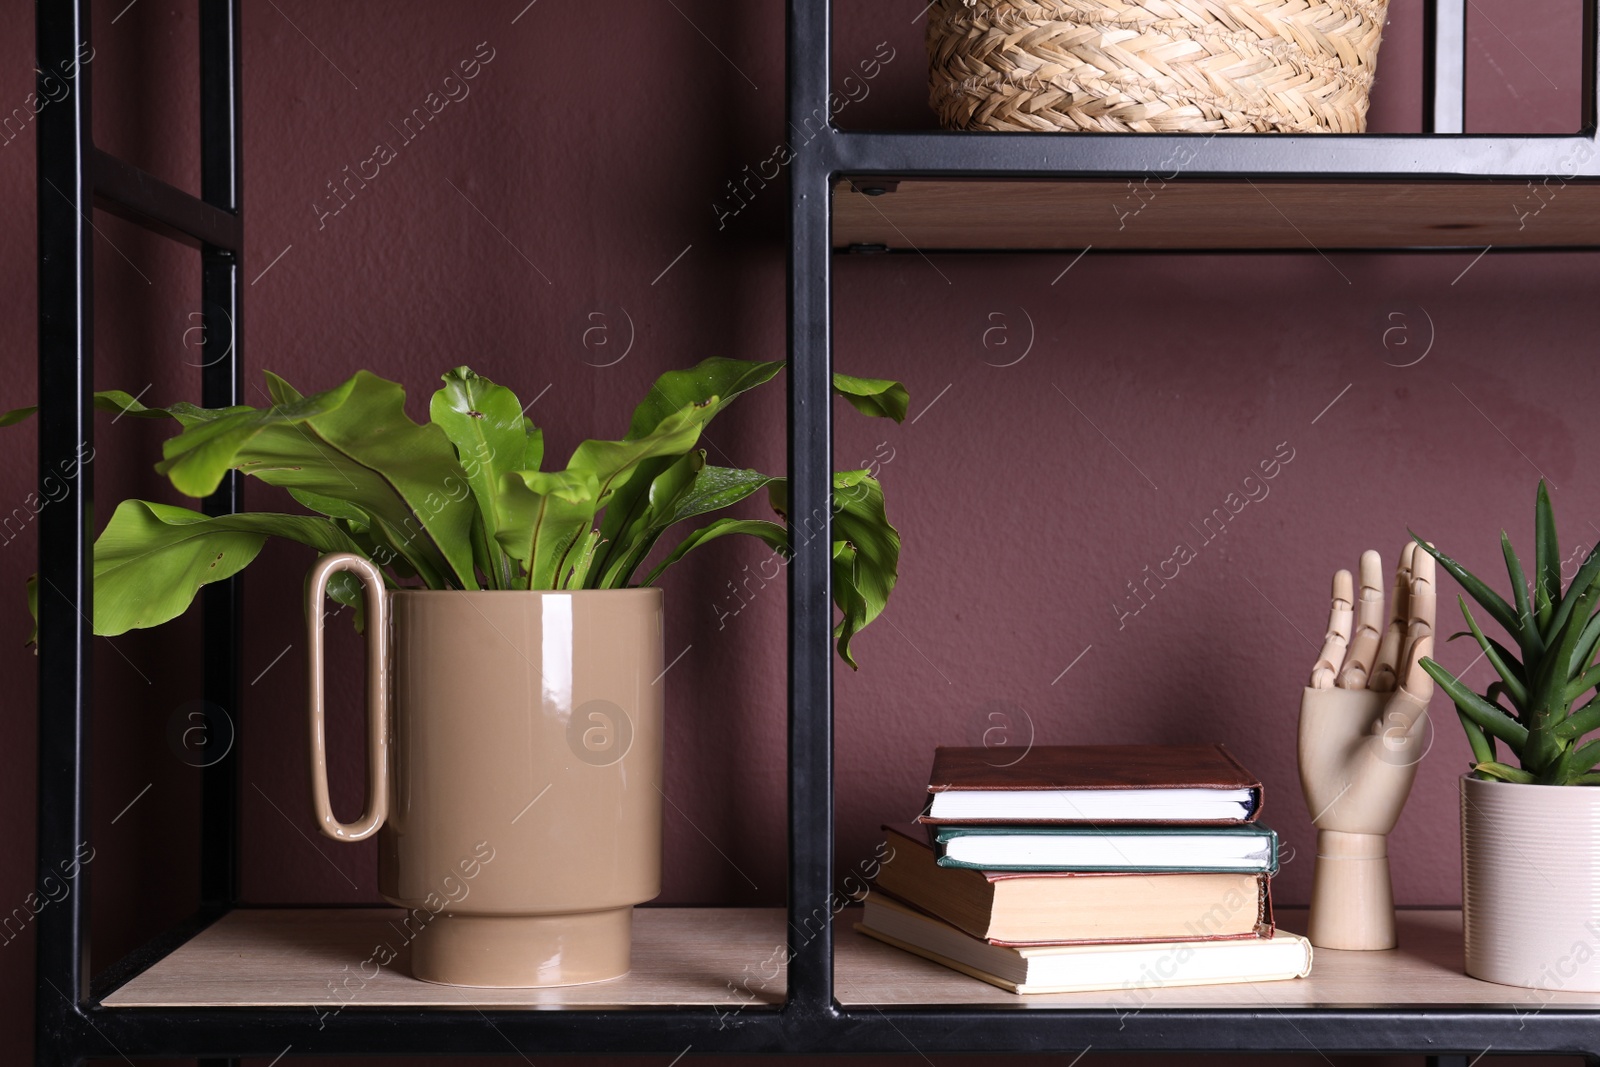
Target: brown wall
x,y
593,149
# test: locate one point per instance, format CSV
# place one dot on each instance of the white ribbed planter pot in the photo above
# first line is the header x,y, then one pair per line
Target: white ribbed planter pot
x,y
1530,884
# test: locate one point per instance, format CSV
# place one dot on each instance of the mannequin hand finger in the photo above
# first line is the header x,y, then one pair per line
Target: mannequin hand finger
x,y
1423,602
1385,672
1369,623
1340,616
1418,682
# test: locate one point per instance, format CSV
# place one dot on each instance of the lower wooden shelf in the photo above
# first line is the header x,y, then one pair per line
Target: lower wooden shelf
x,y
697,957
1425,970
306,957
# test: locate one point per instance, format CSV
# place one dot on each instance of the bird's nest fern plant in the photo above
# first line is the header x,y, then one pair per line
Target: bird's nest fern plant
x,y
1532,708
462,501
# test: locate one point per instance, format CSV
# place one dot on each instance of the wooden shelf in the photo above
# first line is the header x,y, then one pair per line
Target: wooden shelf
x,y
280,958
274,958
1191,213
1424,971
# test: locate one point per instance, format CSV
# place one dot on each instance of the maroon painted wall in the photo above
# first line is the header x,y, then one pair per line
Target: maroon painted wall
x,y
572,207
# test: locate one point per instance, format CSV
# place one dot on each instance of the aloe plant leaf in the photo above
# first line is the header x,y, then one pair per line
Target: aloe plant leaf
x,y
774,535
710,385
1580,722
1560,660
543,516
152,559
355,444
485,423
1493,720
1505,773
1547,561
1492,602
1482,744
1587,573
1515,686
1582,684
1519,588
1583,759
874,396
1588,641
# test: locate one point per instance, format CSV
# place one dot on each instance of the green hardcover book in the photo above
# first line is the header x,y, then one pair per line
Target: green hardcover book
x,y
1250,848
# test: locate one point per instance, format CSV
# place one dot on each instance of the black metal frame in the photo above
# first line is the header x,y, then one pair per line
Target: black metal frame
x,y
73,1023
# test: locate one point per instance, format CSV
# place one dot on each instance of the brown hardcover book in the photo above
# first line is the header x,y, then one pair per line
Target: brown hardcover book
x,y
1008,908
1149,784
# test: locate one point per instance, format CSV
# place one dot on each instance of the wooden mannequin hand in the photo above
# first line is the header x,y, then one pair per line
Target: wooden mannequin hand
x,y
1361,737
1363,725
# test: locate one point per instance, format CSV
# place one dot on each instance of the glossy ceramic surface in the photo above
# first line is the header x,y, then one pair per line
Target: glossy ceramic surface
x,y
522,813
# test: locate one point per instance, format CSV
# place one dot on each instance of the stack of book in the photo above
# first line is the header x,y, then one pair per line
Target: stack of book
x,y
1081,868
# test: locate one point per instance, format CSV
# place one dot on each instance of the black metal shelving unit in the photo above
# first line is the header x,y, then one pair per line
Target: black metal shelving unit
x,y
73,1021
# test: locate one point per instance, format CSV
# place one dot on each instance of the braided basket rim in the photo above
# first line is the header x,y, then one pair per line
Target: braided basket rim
x,y
1338,97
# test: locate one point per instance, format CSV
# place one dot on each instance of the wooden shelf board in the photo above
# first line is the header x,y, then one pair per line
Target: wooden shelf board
x,y
692,956
1425,970
272,958
1194,213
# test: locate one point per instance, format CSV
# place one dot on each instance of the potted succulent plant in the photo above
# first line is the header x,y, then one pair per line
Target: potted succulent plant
x,y
514,652
1530,831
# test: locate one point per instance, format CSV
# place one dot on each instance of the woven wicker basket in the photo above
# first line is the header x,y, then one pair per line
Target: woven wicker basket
x,y
1154,66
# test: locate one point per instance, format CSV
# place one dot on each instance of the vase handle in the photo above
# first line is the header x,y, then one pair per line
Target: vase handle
x,y
377,695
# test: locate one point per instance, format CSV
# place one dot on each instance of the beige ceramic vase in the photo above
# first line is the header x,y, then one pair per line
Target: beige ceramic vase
x,y
513,773
1530,884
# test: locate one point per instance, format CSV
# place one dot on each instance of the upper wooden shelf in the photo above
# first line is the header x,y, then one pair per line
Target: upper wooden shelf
x,y
950,214
731,957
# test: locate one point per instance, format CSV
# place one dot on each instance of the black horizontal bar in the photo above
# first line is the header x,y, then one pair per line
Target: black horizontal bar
x,y
1375,157
853,251
419,1031
126,190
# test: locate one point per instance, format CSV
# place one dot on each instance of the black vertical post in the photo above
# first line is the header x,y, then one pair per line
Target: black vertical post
x,y
1591,85
1444,68
66,363
810,480
221,159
